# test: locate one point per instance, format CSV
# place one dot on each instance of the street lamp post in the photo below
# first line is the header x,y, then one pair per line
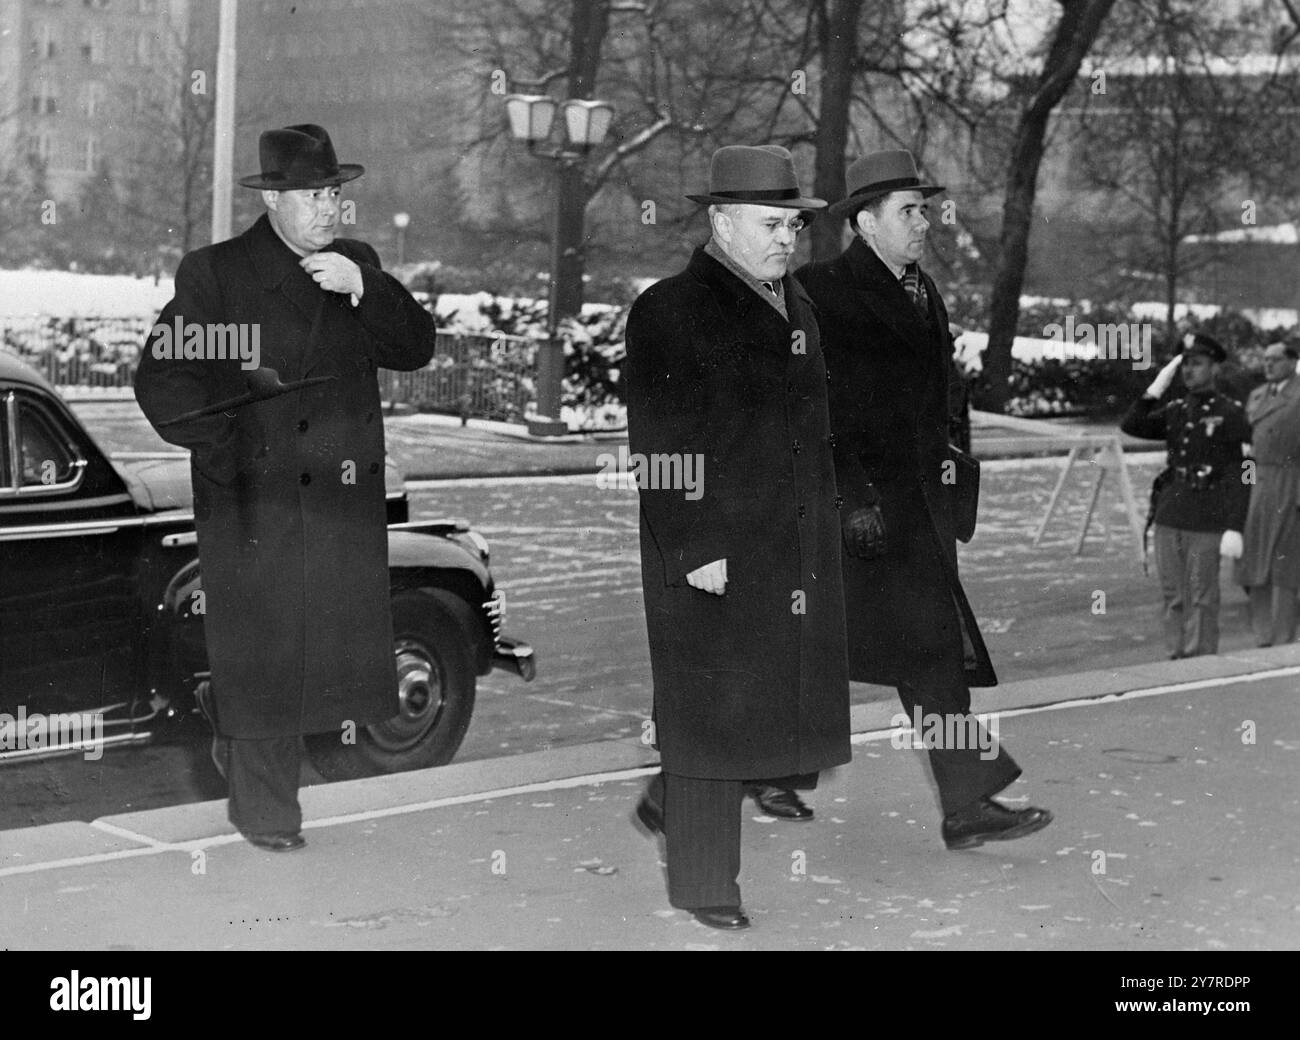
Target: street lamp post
x,y
400,221
586,123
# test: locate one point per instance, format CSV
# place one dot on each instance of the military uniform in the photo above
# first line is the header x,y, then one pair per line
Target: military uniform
x,y
1200,495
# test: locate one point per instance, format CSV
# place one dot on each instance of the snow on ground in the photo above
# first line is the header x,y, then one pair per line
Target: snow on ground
x,y
67,294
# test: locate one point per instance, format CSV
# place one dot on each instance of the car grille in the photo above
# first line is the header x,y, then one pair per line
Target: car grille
x,y
495,609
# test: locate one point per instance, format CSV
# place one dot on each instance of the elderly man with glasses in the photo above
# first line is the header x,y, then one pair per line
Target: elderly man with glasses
x,y
744,608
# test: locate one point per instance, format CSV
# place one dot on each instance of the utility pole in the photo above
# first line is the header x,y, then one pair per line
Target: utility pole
x,y
223,144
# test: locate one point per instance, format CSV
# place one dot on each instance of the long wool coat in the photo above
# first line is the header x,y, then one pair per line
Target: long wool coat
x,y
751,683
908,617
289,493
1271,539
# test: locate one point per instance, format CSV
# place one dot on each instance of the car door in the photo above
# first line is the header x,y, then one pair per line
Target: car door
x,y
69,545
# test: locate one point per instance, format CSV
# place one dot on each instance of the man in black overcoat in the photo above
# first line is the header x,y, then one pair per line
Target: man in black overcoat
x,y
741,575
888,353
289,499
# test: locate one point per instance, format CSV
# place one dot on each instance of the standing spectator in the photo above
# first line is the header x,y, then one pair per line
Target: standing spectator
x,y
1200,509
1270,564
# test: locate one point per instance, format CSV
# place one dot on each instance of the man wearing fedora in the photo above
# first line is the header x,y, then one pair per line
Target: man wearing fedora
x,y
744,607
289,498
888,351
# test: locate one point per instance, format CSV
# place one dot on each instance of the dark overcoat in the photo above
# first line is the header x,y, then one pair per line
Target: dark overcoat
x,y
908,618
751,683
289,492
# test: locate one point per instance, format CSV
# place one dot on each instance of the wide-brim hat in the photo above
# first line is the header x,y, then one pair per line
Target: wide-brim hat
x,y
756,176
877,174
1206,346
299,157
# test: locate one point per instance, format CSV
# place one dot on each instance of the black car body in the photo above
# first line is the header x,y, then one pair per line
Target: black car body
x,y
101,596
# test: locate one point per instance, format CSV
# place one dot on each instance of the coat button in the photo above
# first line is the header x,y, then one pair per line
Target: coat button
x,y
839,501
374,467
305,479
802,512
795,447
302,425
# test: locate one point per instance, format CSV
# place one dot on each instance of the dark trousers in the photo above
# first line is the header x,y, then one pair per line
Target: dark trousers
x,y
262,776
963,773
702,831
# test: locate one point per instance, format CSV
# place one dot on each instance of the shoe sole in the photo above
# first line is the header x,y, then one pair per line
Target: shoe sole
x,y
1011,834
647,825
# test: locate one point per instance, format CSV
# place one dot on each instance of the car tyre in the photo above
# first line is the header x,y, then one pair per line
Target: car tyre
x,y
436,680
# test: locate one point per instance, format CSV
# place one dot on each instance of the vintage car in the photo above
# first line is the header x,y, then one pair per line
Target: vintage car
x,y
99,613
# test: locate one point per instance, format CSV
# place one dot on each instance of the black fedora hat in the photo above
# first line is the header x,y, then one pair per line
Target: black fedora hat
x,y
879,174
755,176
298,157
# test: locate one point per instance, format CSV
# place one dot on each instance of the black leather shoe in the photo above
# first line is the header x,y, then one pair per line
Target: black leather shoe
x,y
728,918
650,815
780,802
276,841
987,820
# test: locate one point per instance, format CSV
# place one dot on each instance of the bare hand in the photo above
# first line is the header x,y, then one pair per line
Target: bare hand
x,y
712,577
335,272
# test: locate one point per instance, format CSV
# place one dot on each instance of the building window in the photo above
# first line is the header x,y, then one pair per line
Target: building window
x,y
92,99
98,5
92,153
42,146
45,41
45,99
93,45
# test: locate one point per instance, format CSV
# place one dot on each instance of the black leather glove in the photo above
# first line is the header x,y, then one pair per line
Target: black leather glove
x,y
864,533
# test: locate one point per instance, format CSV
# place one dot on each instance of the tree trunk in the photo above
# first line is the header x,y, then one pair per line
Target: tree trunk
x,y
1081,21
839,52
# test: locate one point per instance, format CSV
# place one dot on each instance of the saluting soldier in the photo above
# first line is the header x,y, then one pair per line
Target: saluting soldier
x,y
1202,497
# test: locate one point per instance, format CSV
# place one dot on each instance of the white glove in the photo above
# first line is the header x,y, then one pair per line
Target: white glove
x,y
1164,377
1230,545
712,577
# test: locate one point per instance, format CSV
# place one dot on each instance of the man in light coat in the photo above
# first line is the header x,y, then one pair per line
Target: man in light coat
x,y
1270,564
744,607
289,497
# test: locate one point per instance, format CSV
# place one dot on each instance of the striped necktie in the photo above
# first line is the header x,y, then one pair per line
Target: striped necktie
x,y
916,290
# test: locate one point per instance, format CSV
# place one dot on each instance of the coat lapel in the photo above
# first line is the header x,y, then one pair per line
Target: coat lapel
x,y
278,272
885,296
742,306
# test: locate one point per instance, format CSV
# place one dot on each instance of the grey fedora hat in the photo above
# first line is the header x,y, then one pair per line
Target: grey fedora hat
x,y
880,173
758,176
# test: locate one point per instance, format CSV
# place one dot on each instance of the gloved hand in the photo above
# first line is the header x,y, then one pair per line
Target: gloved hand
x,y
1230,545
864,533
712,577
1164,378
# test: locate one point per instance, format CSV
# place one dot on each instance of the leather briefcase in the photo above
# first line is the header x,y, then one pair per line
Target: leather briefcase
x,y
964,492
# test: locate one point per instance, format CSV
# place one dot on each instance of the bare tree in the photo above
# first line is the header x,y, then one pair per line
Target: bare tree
x,y
1074,35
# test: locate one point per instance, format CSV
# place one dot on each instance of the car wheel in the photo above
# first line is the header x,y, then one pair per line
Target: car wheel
x,y
435,686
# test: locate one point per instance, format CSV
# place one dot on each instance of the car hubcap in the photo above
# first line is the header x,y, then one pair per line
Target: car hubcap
x,y
420,691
